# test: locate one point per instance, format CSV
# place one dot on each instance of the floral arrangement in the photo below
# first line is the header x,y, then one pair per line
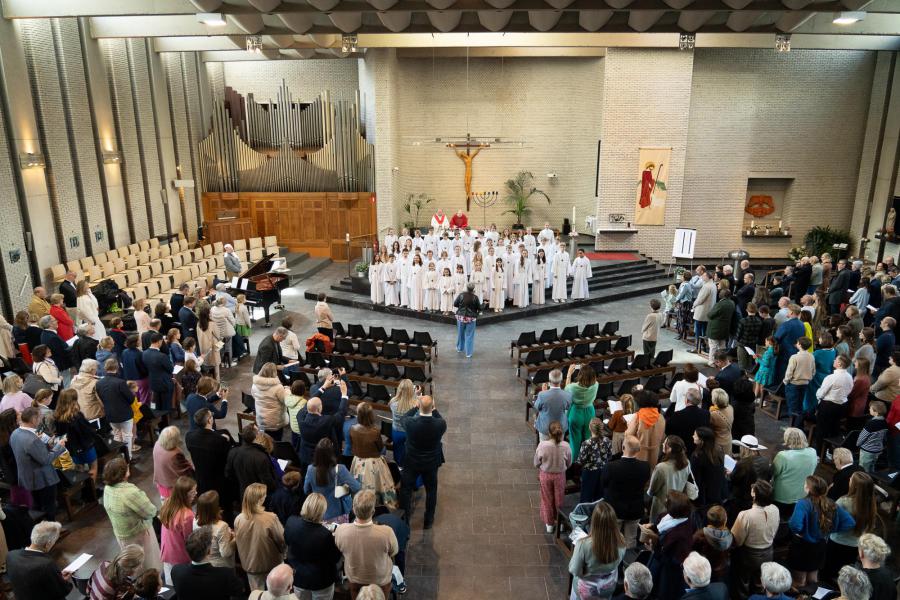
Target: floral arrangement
x,y
797,253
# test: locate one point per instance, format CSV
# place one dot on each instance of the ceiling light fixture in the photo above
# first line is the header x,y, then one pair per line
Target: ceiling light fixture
x,y
849,17
212,19
349,43
687,41
783,42
254,43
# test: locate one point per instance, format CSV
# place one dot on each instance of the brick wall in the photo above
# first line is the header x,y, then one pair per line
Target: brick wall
x,y
646,102
305,78
378,82
801,113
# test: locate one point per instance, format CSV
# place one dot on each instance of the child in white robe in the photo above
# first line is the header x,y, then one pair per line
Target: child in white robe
x,y
430,240
459,281
414,281
530,241
478,279
444,244
522,277
376,289
446,291
459,260
539,270
389,275
417,241
389,239
581,272
509,269
444,263
404,237
403,277
560,272
432,300
498,280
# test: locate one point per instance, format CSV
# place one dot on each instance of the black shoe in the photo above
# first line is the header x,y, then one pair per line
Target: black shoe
x,y
428,525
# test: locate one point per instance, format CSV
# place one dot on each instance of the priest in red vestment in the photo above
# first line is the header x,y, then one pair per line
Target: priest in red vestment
x,y
459,220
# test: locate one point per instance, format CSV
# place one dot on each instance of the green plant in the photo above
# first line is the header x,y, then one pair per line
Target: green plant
x,y
413,206
362,267
519,191
797,252
821,239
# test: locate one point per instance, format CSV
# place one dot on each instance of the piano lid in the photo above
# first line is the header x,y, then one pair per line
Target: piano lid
x,y
260,267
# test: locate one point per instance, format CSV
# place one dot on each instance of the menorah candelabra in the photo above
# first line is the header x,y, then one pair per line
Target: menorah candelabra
x,y
485,200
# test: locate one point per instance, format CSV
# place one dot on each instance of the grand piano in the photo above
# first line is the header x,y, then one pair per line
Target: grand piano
x,y
261,283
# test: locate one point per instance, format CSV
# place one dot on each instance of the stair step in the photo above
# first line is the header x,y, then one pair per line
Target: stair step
x,y
295,258
308,268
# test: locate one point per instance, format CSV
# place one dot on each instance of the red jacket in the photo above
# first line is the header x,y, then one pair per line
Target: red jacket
x,y
459,221
65,325
893,416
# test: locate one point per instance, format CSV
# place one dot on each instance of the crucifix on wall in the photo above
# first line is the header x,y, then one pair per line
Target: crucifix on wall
x,y
471,149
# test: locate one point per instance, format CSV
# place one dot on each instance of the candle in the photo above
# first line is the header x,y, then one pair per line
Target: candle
x,y
779,224
573,216
348,238
752,224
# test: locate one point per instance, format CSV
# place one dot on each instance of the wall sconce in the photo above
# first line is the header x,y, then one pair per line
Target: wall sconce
x,y
32,160
111,158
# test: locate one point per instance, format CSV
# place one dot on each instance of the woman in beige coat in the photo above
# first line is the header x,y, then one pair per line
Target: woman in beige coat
x,y
721,417
208,340
268,394
259,536
703,303
85,383
648,426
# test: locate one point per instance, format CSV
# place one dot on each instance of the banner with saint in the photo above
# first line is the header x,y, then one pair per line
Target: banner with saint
x,y
653,173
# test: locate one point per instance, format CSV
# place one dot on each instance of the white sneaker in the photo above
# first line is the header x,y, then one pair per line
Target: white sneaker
x,y
549,528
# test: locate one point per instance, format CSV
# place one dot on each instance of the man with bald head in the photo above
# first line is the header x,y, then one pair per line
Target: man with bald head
x,y
314,426
424,455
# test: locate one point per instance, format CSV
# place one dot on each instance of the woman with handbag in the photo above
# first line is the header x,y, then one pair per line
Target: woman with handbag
x,y
44,368
670,474
595,559
369,465
71,422
325,476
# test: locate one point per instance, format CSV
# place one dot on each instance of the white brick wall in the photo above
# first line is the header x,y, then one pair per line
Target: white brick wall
x,y
551,103
802,113
646,101
378,77
305,78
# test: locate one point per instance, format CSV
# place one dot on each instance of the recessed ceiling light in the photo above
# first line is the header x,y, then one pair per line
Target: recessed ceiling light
x,y
212,19
848,17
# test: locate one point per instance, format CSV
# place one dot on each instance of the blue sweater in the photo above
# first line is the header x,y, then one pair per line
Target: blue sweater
x,y
805,522
336,506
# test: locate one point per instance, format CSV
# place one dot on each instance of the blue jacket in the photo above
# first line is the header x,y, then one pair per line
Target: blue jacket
x,y
336,506
159,370
195,402
805,522
188,320
552,405
133,368
34,460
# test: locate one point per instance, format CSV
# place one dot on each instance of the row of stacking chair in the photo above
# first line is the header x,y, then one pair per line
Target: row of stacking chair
x,y
550,338
379,335
389,350
579,352
366,371
102,265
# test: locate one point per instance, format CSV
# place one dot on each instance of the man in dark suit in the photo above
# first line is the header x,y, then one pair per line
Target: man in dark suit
x,y
159,372
199,579
890,307
424,455
69,294
624,482
188,318
840,483
269,350
837,289
61,353
155,325
209,398
34,462
315,426
176,300
330,394
209,451
802,275
249,463
729,371
33,572
744,294
684,422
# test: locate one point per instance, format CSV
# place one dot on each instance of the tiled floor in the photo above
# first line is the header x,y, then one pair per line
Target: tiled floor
x,y
488,541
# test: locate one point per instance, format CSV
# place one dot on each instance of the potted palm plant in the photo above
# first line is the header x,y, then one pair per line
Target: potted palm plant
x,y
519,191
413,206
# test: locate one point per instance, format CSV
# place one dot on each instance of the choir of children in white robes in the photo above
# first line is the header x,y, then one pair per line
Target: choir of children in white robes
x,y
427,272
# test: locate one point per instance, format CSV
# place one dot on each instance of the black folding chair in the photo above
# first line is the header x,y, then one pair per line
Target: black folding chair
x,y
558,354
400,336
343,346
356,332
391,350
388,371
640,362
378,334
617,365
663,358
368,348
610,328
548,336
378,393
626,386
569,333
622,344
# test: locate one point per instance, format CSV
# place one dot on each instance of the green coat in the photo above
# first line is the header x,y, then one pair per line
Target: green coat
x,y
719,327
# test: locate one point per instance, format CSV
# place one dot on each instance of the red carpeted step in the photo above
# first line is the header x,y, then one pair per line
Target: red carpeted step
x,y
613,256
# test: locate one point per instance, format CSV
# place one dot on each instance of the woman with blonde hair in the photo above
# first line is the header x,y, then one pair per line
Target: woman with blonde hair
x,y
595,559
170,461
177,520
89,309
13,396
402,402
790,468
85,383
71,422
259,536
114,579
269,393
721,418
222,549
369,466
311,550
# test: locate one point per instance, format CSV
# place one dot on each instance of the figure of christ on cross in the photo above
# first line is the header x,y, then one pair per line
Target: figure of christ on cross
x,y
467,157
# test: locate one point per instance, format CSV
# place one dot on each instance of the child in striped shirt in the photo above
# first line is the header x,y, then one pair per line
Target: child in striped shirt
x,y
871,438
